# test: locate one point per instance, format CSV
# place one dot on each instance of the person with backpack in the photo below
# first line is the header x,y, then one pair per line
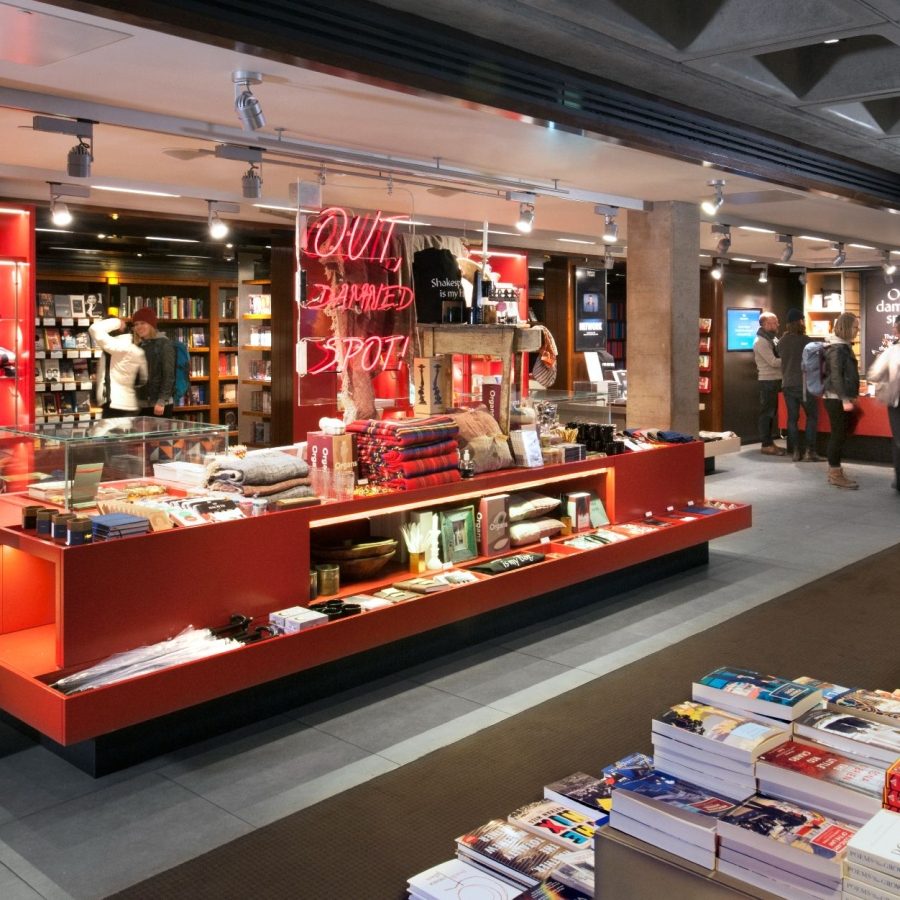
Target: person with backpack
x,y
841,392
157,395
768,365
790,352
121,369
884,373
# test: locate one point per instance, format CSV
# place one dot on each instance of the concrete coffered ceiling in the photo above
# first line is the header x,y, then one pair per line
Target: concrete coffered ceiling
x,y
162,103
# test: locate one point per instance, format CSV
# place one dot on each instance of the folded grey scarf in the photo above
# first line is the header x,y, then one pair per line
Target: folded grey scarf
x,y
264,468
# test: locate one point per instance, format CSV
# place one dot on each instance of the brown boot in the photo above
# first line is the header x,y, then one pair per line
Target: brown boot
x,y
811,456
837,478
797,455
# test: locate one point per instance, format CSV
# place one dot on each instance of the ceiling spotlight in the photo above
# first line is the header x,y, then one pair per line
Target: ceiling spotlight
x,y
724,244
217,228
59,212
800,272
246,105
712,206
763,270
887,265
526,218
718,270
788,241
608,261
78,162
610,227
251,183
841,257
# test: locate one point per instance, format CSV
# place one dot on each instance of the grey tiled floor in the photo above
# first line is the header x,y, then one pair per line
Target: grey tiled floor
x,y
66,835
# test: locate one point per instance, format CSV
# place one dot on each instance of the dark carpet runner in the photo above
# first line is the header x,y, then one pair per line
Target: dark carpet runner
x,y
364,843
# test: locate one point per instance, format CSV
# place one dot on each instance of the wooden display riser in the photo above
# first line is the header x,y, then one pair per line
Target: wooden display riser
x,y
62,608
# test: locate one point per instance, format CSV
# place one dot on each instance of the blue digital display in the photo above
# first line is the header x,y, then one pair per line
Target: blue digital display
x,y
741,326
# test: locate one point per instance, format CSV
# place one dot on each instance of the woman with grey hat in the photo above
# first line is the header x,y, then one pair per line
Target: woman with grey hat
x,y
790,351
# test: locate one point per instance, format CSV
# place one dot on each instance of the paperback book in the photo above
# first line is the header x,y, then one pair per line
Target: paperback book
x,y
576,872
718,731
518,855
798,771
669,804
751,692
789,836
552,820
877,844
701,856
454,879
776,879
860,738
876,706
584,793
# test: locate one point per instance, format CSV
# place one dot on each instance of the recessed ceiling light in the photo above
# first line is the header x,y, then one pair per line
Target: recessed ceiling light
x,y
832,41
754,228
742,259
576,241
810,237
862,246
156,237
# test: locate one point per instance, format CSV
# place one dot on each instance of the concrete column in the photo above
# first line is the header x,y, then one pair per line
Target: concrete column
x,y
663,308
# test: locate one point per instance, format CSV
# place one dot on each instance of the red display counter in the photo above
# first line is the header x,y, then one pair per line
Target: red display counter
x,y
869,435
63,608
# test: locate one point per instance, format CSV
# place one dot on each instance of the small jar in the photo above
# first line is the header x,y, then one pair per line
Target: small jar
x,y
467,465
313,584
328,578
43,521
58,525
29,517
79,531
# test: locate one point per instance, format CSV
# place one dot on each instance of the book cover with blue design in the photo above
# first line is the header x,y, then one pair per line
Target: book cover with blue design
x,y
749,691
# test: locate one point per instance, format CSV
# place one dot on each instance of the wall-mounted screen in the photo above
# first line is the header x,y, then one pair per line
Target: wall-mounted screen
x,y
741,326
590,310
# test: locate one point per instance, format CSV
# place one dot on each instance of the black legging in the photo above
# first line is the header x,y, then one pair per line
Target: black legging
x,y
837,419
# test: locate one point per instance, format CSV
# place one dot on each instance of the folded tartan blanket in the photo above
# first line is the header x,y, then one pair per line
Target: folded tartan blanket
x,y
263,468
418,451
406,432
421,481
419,466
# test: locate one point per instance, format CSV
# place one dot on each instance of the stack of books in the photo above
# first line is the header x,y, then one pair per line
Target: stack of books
x,y
552,820
862,739
109,526
454,879
783,848
584,793
872,868
815,776
877,706
713,748
511,853
670,814
752,693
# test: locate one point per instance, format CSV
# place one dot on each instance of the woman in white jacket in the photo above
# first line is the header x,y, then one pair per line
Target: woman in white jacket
x,y
125,367
885,375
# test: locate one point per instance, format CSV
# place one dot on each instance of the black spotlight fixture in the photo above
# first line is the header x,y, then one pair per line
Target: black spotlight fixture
x,y
724,244
788,241
841,256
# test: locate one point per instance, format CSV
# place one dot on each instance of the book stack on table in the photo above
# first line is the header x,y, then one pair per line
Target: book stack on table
x,y
873,860
116,525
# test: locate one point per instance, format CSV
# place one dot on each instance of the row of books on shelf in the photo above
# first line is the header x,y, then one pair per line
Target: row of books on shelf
x,y
228,336
51,371
259,304
260,336
261,401
69,306
228,393
165,307
197,395
616,330
199,366
259,369
53,338
779,783
228,364
193,336
64,403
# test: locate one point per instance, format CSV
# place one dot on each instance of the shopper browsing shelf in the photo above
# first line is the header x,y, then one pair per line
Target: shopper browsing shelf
x,y
768,365
885,375
841,392
156,395
790,352
121,368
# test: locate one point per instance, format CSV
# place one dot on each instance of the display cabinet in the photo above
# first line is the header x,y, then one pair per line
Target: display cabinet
x,y
16,314
69,617
65,464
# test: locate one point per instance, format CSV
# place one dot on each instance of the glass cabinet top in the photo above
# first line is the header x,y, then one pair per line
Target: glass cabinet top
x,y
138,427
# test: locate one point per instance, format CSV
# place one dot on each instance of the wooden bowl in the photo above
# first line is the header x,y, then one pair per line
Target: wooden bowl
x,y
370,547
363,566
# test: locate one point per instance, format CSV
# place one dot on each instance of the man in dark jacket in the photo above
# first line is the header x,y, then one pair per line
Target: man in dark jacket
x,y
790,352
156,396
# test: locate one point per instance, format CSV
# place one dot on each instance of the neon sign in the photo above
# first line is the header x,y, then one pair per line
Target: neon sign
x,y
336,235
